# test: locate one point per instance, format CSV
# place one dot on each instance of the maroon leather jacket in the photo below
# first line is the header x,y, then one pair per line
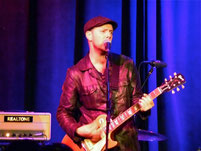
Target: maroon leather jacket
x,y
84,97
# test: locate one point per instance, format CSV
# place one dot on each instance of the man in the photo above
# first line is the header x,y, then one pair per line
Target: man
x,y
84,93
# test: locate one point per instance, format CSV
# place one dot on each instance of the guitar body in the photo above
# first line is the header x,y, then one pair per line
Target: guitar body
x,y
70,143
100,145
87,144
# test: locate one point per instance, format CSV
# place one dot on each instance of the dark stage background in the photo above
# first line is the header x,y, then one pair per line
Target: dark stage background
x,y
40,39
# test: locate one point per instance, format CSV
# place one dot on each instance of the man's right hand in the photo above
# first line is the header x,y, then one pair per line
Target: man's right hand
x,y
91,131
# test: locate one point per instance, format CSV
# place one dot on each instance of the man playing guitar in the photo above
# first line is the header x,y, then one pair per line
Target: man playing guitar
x,y
84,92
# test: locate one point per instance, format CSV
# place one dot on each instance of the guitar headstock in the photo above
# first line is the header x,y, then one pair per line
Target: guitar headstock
x,y
173,82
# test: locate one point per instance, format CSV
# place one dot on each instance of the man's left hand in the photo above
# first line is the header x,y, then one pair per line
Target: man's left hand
x,y
146,102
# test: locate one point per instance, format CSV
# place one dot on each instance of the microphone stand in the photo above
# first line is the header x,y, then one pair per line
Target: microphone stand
x,y
108,104
149,73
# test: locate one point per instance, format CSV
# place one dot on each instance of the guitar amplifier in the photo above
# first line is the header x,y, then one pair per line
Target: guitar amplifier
x,y
25,126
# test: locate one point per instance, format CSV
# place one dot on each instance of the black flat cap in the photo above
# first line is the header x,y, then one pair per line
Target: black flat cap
x,y
99,21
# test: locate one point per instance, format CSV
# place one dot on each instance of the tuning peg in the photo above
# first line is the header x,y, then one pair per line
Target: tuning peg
x,y
178,89
173,92
165,79
181,77
182,86
170,77
175,73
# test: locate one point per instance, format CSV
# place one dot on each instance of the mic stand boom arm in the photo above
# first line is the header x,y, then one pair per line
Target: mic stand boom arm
x,y
149,73
153,65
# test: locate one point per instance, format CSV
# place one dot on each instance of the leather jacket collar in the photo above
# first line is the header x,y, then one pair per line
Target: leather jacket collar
x,y
85,63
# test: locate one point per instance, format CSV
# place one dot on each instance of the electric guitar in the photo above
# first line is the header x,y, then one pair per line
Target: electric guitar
x,y
88,145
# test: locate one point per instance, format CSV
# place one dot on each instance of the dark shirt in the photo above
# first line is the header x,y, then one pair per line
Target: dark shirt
x,y
84,97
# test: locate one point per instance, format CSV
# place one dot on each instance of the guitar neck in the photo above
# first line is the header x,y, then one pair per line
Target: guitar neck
x,y
119,120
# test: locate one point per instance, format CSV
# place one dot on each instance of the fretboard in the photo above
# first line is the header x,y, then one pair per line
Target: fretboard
x,y
119,120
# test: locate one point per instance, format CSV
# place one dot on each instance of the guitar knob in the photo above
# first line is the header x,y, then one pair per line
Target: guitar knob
x,y
178,89
101,120
173,92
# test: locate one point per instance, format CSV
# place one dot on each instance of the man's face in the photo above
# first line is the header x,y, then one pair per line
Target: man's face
x,y
101,34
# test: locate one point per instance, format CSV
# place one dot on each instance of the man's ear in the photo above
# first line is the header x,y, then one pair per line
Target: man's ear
x,y
88,35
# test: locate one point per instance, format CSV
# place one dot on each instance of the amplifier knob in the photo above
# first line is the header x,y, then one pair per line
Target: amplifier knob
x,y
13,135
7,134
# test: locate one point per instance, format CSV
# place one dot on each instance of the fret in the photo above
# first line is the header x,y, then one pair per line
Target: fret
x,y
155,93
125,114
116,121
119,119
112,126
122,117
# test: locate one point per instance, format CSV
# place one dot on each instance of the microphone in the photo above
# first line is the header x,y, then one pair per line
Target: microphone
x,y
107,44
156,63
